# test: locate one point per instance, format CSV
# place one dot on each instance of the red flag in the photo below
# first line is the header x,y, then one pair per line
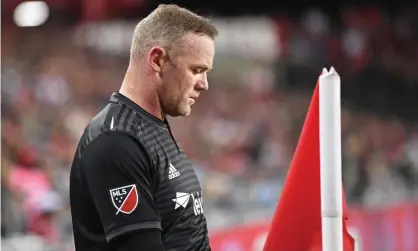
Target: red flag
x,y
296,225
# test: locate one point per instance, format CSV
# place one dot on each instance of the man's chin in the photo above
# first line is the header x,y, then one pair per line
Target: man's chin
x,y
181,113
185,113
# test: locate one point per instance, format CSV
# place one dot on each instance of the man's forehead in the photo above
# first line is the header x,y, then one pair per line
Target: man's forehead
x,y
196,40
198,47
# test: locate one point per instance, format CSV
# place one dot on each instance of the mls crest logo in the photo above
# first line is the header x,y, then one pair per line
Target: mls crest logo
x,y
125,198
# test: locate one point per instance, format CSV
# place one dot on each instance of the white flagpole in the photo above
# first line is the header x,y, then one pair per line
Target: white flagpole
x,y
330,156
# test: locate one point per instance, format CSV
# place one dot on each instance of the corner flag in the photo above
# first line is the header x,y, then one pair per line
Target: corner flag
x,y
296,225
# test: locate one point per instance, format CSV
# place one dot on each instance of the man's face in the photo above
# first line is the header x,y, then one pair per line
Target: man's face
x,y
184,77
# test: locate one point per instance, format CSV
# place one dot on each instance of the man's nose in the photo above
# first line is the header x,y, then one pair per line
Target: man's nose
x,y
203,84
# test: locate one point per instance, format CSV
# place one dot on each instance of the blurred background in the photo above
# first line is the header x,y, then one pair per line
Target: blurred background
x,y
62,59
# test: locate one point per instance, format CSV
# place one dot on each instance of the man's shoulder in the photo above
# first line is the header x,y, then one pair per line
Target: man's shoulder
x,y
113,120
121,148
121,121
115,117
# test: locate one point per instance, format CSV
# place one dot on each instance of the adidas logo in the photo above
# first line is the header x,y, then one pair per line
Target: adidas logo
x,y
172,172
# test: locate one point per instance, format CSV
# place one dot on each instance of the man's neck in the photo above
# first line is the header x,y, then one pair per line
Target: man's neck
x,y
141,91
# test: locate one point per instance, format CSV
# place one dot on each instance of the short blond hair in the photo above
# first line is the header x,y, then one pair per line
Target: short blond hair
x,y
166,26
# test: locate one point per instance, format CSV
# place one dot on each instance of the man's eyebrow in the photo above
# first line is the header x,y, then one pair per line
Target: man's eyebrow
x,y
205,67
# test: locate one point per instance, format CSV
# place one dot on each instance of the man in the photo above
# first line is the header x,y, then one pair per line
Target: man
x,y
132,187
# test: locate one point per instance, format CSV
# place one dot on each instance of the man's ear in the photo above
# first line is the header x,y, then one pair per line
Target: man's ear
x,y
156,58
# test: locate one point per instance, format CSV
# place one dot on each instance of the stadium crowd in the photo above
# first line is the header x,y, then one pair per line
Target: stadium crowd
x,y
241,134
